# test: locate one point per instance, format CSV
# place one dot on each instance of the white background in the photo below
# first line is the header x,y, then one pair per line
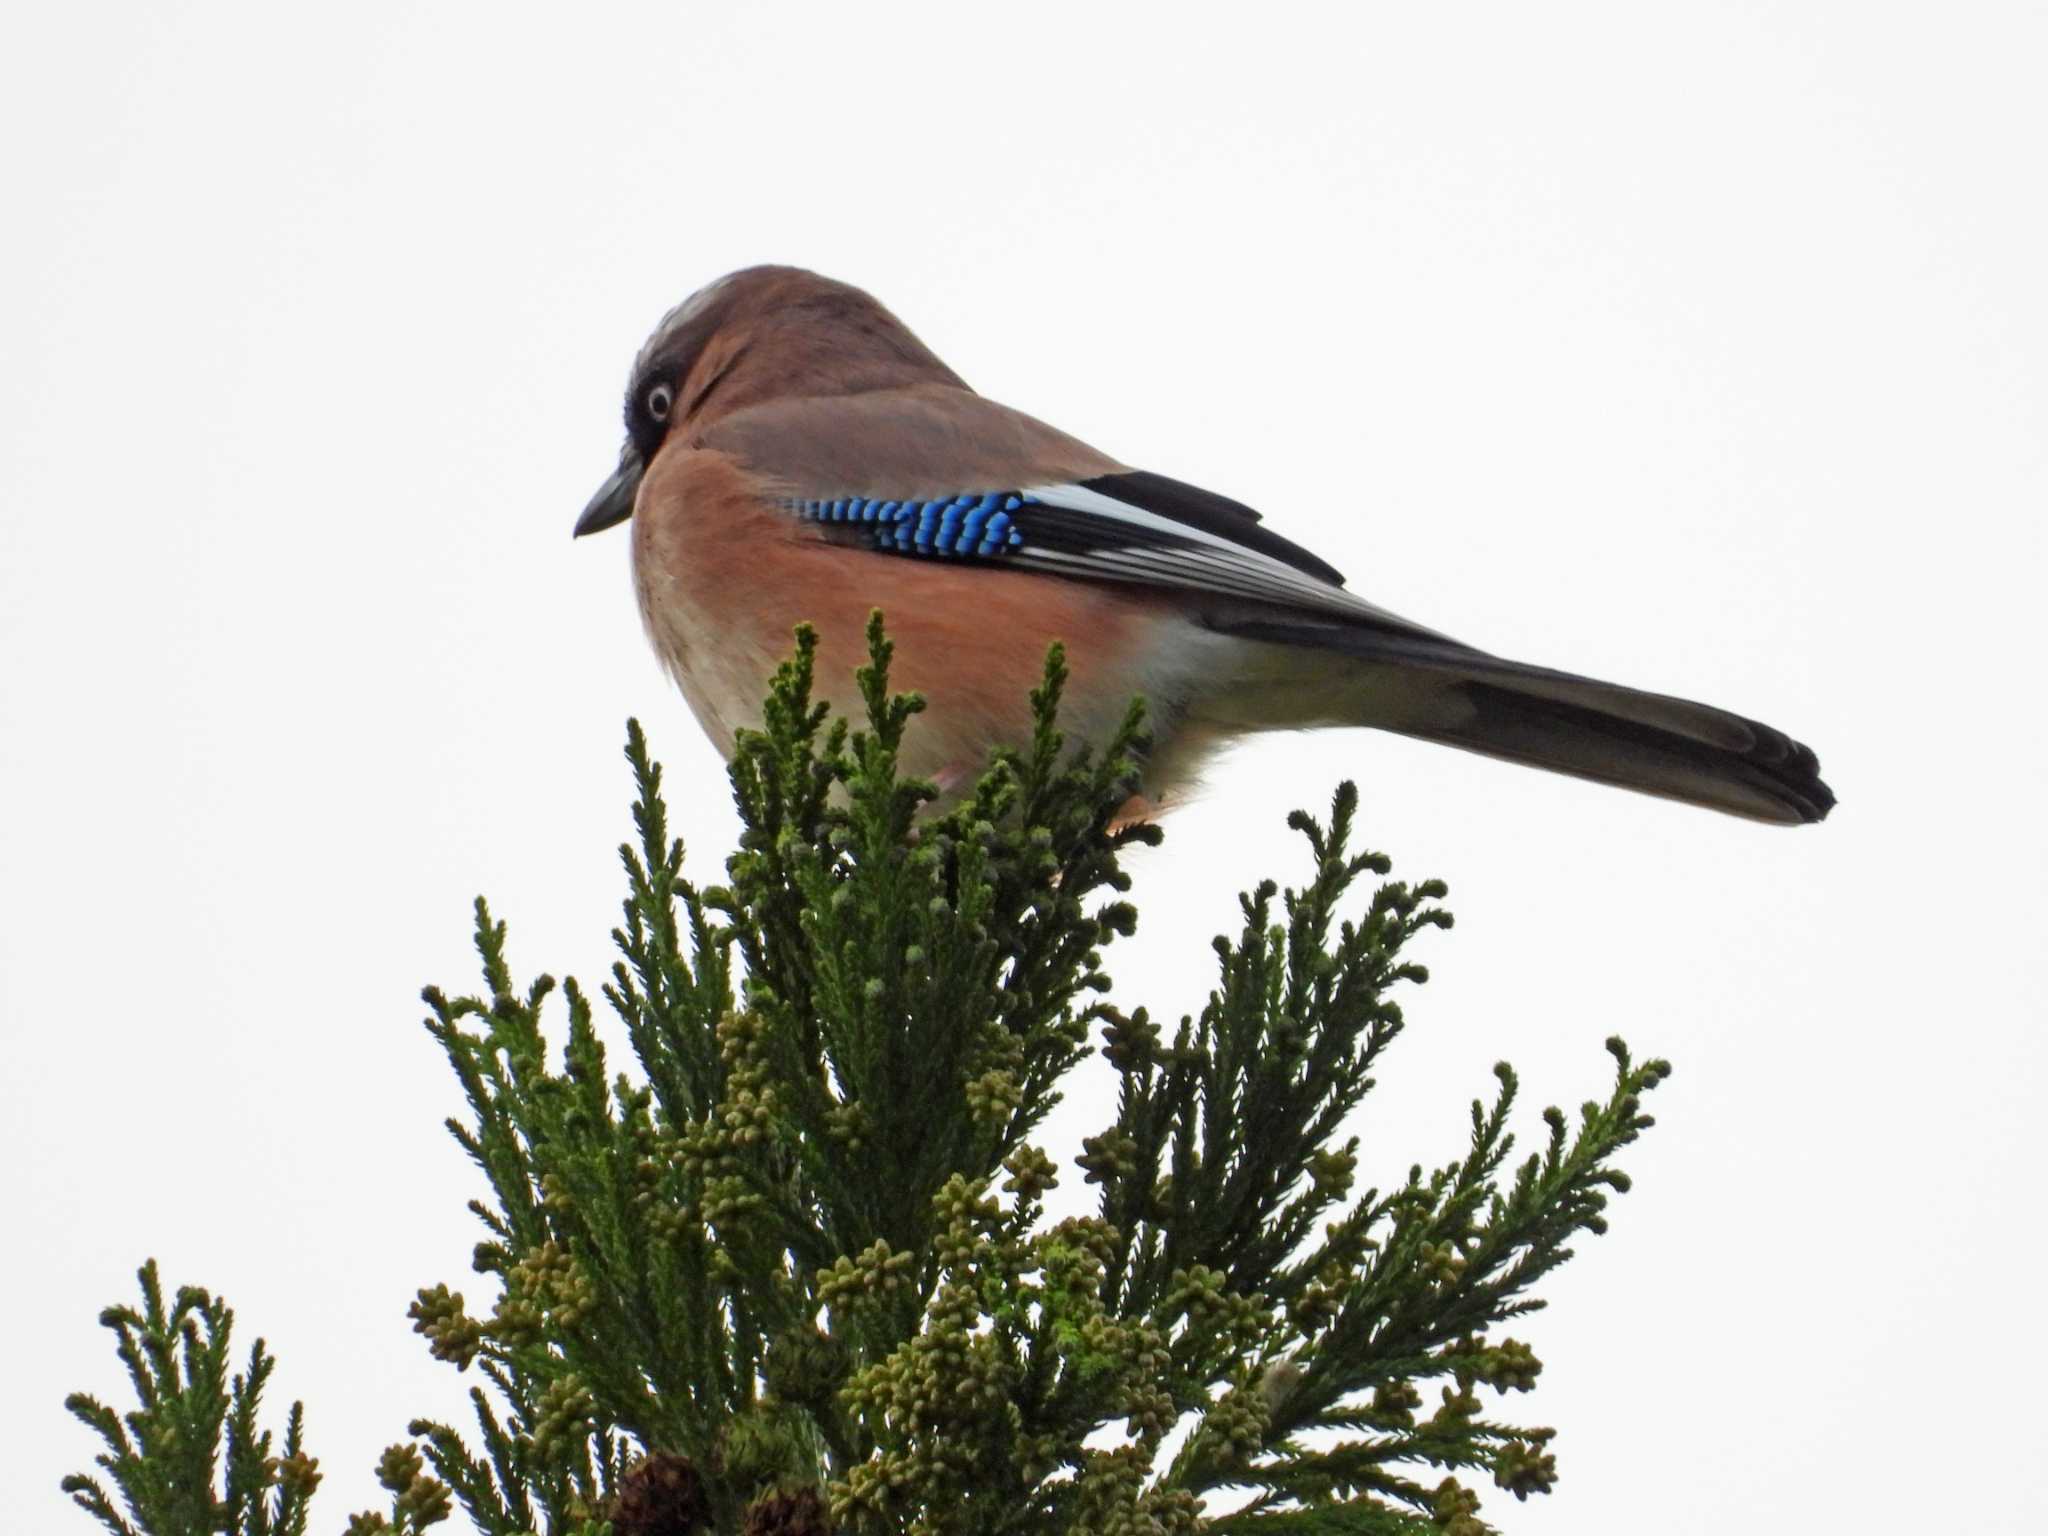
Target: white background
x,y
1701,346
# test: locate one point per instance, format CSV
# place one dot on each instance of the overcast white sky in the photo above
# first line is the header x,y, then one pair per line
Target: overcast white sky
x,y
1699,346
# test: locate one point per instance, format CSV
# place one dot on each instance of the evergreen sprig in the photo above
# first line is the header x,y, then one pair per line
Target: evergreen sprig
x,y
191,1459
794,1273
915,986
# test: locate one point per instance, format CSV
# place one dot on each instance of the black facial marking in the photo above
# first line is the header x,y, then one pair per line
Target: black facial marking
x,y
641,425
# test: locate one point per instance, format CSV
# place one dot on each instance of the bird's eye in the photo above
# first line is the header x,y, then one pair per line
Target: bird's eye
x,y
661,399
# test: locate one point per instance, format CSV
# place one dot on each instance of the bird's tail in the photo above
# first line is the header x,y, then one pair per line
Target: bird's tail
x,y
1438,690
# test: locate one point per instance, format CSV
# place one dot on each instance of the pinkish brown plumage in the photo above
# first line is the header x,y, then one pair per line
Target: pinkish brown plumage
x,y
794,454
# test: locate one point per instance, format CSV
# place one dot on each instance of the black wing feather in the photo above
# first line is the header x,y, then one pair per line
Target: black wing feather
x,y
1213,514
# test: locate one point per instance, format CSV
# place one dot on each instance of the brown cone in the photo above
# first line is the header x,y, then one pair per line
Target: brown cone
x,y
661,1496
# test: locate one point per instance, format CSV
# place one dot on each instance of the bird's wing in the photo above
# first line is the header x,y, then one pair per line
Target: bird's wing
x,y
944,474
938,473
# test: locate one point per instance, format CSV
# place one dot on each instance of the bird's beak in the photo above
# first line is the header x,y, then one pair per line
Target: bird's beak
x,y
613,503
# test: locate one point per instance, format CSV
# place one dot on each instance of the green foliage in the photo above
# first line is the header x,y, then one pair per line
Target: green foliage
x,y
806,1247
191,1458
796,1272
914,989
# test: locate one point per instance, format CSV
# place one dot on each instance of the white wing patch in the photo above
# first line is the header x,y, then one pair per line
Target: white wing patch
x,y
1162,551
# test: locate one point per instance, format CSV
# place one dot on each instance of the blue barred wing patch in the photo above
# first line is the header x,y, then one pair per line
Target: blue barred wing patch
x,y
977,525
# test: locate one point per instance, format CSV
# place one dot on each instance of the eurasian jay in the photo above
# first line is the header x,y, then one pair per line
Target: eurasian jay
x,y
794,453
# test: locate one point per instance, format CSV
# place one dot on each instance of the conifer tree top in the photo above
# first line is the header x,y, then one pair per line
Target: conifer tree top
x,y
793,1272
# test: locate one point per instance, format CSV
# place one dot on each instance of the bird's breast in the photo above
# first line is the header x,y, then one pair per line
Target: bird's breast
x,y
726,570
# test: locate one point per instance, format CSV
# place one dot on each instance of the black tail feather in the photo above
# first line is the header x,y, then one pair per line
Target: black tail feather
x,y
1650,742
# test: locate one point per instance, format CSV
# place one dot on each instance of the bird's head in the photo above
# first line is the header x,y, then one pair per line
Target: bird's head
x,y
756,335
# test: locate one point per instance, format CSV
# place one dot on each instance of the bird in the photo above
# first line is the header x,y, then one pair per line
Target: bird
x,y
794,454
